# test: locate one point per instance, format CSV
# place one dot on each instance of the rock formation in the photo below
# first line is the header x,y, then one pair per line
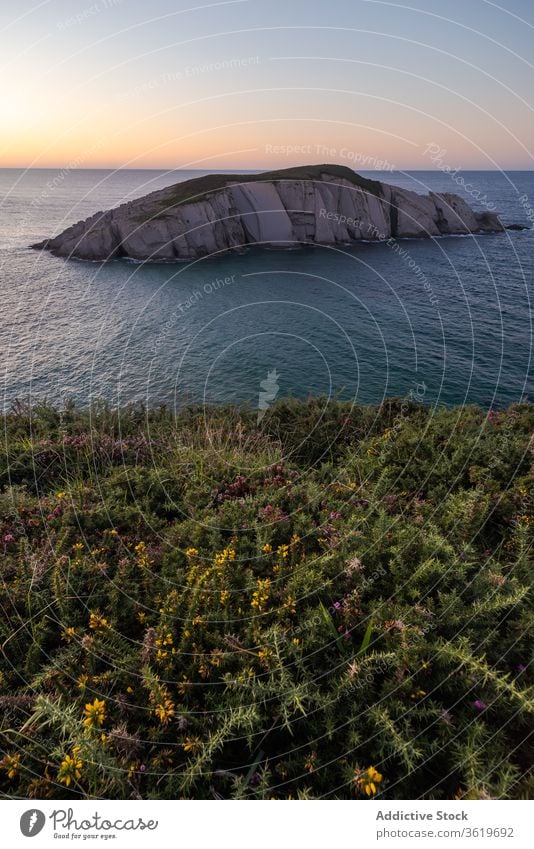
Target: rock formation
x,y
308,205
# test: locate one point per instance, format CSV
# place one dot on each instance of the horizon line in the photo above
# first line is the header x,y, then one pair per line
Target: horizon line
x,y
257,168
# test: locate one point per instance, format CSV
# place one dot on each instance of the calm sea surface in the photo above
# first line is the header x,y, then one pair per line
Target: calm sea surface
x,y
450,317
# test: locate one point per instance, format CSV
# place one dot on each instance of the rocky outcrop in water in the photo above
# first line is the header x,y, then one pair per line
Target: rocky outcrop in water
x,y
311,205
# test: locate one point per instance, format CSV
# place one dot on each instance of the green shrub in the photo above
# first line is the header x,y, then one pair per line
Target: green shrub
x,y
332,603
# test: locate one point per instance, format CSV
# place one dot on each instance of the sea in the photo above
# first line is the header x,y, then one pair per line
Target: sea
x,y
447,321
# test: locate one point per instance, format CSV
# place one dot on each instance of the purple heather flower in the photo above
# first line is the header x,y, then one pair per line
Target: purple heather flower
x,y
9,538
521,667
479,704
142,768
337,605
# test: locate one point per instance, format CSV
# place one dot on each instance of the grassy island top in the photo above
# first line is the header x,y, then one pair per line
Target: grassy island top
x,y
192,191
331,604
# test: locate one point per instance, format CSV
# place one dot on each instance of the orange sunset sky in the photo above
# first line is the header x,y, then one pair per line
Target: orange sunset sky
x,y
112,83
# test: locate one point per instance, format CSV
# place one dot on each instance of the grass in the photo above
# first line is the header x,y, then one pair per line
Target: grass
x,y
197,189
331,604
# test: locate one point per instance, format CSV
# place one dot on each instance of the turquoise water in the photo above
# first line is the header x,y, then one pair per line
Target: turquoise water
x,y
450,318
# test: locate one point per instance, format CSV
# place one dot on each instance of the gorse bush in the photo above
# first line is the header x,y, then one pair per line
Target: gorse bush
x,y
332,603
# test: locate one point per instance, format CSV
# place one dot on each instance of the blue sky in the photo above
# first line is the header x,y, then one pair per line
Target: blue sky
x,y
122,83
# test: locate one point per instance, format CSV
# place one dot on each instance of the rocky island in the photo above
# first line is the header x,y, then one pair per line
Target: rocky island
x,y
307,205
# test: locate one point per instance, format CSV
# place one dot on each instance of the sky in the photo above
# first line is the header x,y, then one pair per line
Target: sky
x,y
267,84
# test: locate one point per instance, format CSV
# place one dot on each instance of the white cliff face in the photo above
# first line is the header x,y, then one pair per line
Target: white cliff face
x,y
262,213
326,205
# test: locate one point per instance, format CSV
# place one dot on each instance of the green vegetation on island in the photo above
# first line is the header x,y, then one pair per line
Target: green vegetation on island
x,y
198,188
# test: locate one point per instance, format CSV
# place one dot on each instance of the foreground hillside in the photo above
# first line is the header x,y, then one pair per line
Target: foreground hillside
x,y
330,604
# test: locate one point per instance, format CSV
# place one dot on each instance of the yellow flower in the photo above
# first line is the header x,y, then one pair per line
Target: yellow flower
x,y
418,694
260,596
11,764
296,641
224,596
290,604
267,548
61,495
282,551
191,552
68,634
222,557
192,744
82,681
367,780
70,768
263,654
164,710
98,622
95,713
142,556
